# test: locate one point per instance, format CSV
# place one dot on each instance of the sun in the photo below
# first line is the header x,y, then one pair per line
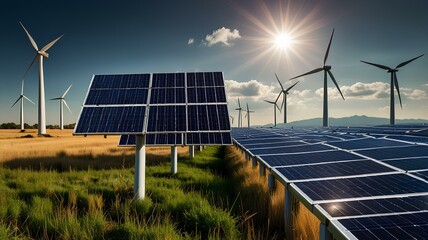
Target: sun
x,y
283,41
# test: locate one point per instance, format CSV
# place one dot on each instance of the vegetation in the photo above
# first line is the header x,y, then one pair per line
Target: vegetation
x,y
67,187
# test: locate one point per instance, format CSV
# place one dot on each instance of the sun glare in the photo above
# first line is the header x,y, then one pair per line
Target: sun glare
x,y
283,41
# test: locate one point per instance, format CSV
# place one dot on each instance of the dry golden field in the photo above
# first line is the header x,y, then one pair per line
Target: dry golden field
x,y
63,150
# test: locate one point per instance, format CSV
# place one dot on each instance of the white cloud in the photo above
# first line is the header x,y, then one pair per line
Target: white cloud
x,y
251,89
222,36
416,94
426,84
190,41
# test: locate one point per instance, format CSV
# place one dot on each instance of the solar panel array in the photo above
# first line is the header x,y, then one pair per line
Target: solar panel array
x,y
170,108
363,183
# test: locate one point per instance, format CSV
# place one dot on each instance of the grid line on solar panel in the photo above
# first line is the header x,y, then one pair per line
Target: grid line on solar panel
x,y
376,206
342,169
421,174
401,226
360,187
409,164
308,158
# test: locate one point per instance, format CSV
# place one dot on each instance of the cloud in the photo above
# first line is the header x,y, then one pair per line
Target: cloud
x,y
251,89
416,94
222,36
426,84
190,41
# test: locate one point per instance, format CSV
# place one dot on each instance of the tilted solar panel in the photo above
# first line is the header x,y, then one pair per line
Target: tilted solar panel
x,y
291,149
409,164
179,139
376,206
367,143
396,152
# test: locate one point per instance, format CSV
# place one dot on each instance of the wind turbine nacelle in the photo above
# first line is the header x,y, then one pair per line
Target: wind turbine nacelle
x,y
44,54
393,70
327,67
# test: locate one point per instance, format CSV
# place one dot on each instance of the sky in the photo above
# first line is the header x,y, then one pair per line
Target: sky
x,y
238,38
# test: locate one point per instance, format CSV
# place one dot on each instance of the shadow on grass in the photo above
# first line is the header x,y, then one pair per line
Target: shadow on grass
x,y
63,162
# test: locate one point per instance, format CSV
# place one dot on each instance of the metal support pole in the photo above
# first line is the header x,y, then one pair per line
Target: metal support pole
x,y
191,151
324,233
254,162
262,170
271,182
140,168
174,159
287,208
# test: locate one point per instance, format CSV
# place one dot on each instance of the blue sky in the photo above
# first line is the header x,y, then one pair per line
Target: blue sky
x,y
236,37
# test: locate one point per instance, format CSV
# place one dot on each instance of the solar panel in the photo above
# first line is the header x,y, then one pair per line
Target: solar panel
x,y
396,152
291,149
358,187
367,143
177,139
376,206
409,164
402,226
157,103
410,138
422,174
269,145
309,158
332,170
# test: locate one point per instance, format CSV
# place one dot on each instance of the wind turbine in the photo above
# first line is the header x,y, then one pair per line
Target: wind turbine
x,y
61,112
326,69
22,97
284,95
248,113
41,54
239,114
274,108
231,119
394,82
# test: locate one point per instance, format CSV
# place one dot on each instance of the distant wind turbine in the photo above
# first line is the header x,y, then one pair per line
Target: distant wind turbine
x,y
274,108
239,114
231,120
248,114
326,69
41,54
22,97
61,103
284,95
394,82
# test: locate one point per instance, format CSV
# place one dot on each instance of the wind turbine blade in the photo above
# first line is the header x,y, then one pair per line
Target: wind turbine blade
x,y
29,37
277,78
28,69
29,100
310,72
246,115
16,101
248,109
377,65
49,45
288,89
58,98
66,105
239,103
335,83
278,107
22,87
398,89
279,95
407,62
283,101
68,89
328,48
269,101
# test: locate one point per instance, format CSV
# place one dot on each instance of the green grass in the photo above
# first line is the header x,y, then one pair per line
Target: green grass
x,y
196,203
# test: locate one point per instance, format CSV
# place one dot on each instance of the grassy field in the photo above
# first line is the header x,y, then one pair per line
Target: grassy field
x,y
71,187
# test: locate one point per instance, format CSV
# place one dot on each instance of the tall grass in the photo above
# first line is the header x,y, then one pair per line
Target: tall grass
x,y
263,211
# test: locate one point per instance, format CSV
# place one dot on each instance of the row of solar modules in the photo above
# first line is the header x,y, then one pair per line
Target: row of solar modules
x,y
351,181
169,139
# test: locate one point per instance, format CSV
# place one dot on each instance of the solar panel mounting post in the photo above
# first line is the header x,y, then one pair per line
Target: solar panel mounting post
x,y
140,168
271,182
287,209
324,233
174,159
192,151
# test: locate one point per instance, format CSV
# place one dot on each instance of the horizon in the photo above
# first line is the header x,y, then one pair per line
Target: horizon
x,y
243,43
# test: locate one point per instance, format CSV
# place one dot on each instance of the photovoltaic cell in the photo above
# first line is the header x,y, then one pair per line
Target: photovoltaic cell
x,y
367,143
114,120
376,206
362,187
208,138
402,226
422,174
121,81
307,158
167,118
333,170
268,145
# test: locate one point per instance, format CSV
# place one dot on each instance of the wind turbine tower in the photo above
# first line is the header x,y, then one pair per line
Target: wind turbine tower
x,y
326,69
22,97
61,103
284,93
247,115
394,82
40,54
275,106
239,114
